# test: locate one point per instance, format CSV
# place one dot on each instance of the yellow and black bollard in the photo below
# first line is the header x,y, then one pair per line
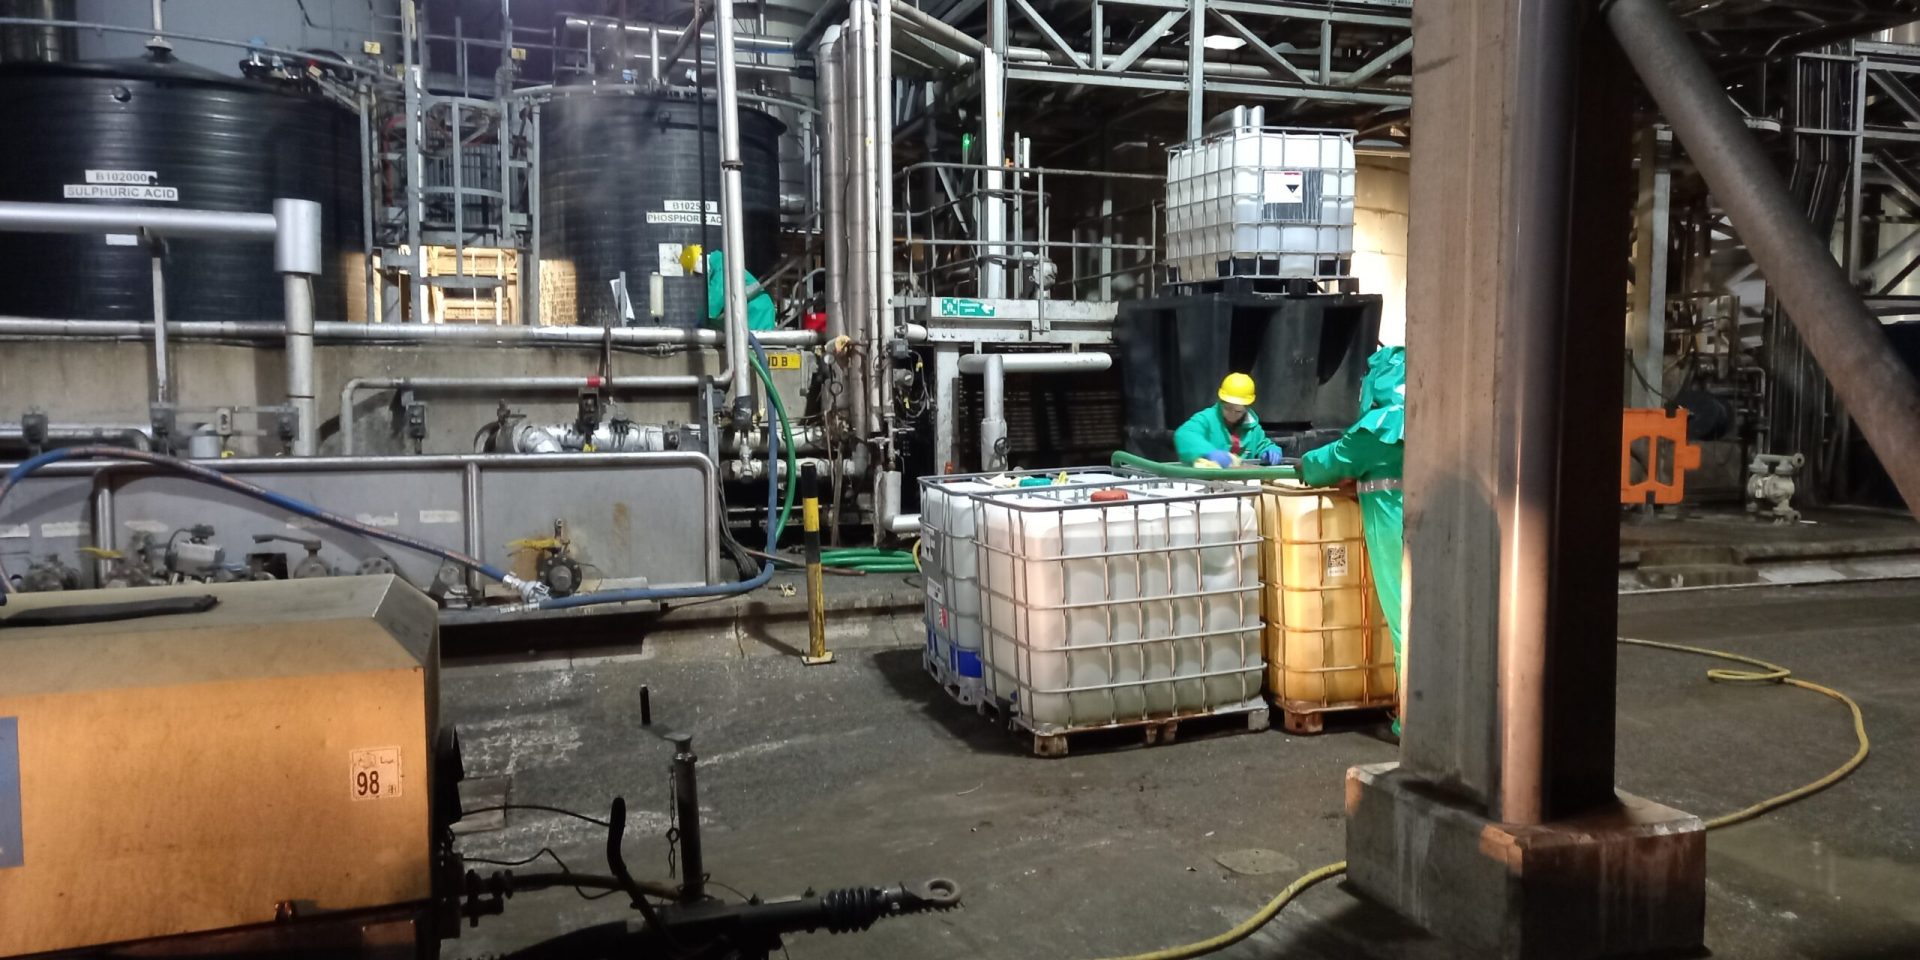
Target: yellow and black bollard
x,y
817,651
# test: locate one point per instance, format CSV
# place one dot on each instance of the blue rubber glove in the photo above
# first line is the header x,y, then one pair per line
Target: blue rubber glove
x,y
1271,456
1221,457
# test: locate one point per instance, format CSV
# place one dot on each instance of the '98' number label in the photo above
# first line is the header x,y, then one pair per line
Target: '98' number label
x,y
373,773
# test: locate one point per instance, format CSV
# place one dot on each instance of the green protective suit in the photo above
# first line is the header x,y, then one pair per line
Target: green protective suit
x,y
760,312
1372,450
1206,431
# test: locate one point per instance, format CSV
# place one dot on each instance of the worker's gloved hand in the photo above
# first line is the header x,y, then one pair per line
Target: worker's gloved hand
x,y
1271,457
1220,458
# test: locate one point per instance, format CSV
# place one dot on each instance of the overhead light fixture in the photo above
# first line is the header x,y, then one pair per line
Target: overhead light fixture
x,y
1221,41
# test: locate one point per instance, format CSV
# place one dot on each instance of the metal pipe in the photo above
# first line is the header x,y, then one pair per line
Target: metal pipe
x,y
1196,68
686,790
467,334
653,54
296,257
890,519
732,208
160,222
686,38
295,55
550,384
993,426
1879,393
1089,362
993,274
162,390
132,435
832,214
883,191
937,29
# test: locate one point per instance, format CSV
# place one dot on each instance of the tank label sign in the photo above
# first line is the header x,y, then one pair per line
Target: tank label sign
x,y
12,852
686,212
143,178
121,185
963,307
114,191
1283,186
373,773
439,516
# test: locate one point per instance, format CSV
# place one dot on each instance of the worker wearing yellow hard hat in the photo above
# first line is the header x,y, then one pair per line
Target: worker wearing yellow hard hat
x,y
1226,433
760,311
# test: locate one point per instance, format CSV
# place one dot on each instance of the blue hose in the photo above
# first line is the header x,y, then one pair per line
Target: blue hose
x,y
208,475
717,590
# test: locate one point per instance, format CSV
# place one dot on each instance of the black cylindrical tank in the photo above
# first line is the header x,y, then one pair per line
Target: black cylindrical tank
x,y
168,134
622,185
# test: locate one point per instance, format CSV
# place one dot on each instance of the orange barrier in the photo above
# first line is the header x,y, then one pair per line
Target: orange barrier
x,y
1655,456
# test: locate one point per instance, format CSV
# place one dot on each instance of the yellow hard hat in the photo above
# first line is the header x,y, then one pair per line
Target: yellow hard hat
x,y
1237,388
690,257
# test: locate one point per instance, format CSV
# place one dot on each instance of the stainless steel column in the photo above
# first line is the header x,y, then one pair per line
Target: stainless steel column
x,y
1647,316
162,391
1196,68
993,78
832,216
732,210
296,257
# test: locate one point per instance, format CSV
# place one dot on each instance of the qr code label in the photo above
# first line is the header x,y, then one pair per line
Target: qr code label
x,y
1336,561
373,773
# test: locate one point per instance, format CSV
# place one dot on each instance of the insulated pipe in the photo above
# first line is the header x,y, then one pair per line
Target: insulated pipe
x,y
1089,362
993,272
732,209
883,188
937,29
475,334
891,520
993,426
162,390
832,216
1877,390
296,257
158,221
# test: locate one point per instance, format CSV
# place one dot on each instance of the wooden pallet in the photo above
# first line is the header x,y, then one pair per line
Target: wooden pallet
x,y
1150,732
1314,721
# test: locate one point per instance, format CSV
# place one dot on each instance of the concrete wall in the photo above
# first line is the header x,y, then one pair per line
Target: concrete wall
x,y
1380,239
110,382
337,25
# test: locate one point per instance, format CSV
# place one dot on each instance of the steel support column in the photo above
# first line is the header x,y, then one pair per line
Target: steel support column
x,y
1503,809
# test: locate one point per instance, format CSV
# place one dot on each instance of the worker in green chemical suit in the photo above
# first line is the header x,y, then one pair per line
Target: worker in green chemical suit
x,y
1370,454
1226,433
760,312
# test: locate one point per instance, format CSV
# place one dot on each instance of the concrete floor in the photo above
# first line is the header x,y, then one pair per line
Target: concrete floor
x,y
862,772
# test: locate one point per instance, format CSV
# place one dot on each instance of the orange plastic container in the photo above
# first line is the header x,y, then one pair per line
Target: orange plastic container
x,y
1326,640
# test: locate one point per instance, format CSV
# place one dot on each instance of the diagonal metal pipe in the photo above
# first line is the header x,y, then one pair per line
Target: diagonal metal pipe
x,y
1879,392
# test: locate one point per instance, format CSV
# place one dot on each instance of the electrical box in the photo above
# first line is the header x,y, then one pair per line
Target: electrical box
x,y
192,772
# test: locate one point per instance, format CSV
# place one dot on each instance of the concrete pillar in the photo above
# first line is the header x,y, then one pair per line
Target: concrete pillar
x,y
1500,830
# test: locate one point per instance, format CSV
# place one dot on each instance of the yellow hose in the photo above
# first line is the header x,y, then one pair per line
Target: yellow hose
x,y
1767,673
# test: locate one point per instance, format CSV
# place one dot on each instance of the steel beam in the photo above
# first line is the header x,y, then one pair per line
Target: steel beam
x,y
1269,89
1145,41
1385,59
1871,381
1898,90
1260,46
1196,68
1046,30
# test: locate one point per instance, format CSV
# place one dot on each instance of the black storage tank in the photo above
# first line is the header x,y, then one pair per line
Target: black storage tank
x,y
167,134
622,184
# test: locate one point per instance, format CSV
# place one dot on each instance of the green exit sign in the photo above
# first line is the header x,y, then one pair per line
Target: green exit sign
x,y
965,307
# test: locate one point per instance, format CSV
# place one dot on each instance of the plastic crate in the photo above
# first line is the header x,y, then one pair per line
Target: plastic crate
x,y
1258,201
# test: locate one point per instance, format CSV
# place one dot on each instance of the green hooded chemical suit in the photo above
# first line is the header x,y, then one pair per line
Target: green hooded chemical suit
x,y
1207,431
760,310
1371,452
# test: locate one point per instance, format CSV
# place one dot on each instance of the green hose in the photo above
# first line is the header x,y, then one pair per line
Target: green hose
x,y
1121,458
786,445
870,559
